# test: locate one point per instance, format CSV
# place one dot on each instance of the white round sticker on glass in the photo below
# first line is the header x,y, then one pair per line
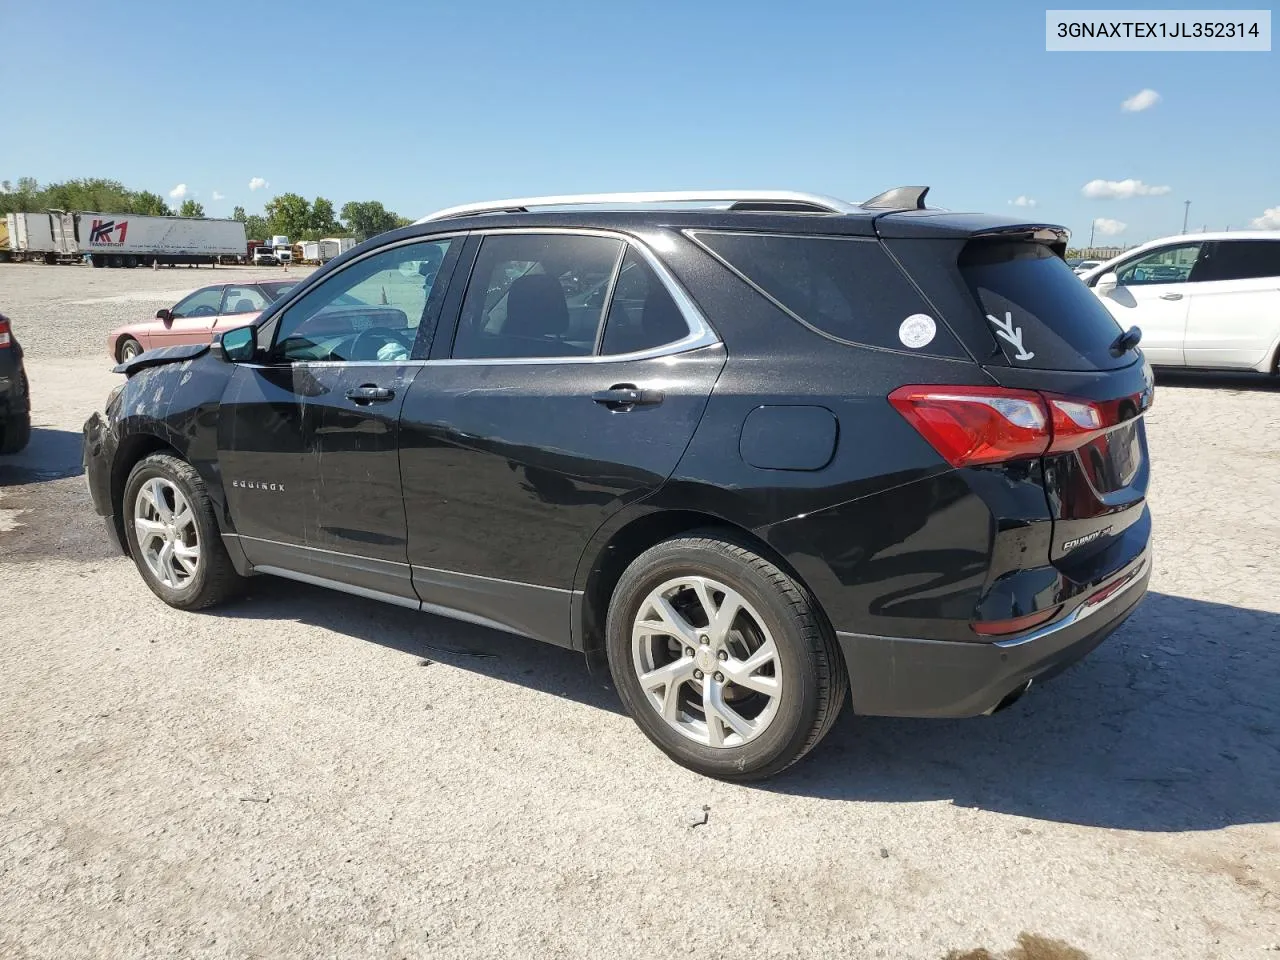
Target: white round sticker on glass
x,y
917,331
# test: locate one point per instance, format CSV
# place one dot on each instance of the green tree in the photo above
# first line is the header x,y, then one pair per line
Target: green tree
x,y
288,214
238,214
323,219
190,208
255,227
149,204
368,218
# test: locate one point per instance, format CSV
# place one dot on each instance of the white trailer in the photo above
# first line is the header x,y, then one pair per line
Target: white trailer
x,y
311,251
127,240
31,237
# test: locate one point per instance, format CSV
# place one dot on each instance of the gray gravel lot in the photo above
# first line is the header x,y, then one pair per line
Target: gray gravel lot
x,y
307,774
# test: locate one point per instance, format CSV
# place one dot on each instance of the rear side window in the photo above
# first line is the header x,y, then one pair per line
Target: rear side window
x,y
642,314
845,288
536,295
1239,260
1039,312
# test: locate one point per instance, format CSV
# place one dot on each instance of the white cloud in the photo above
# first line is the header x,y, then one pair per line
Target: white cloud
x,y
218,196
1142,100
178,192
1121,189
257,183
1108,227
1022,201
1270,219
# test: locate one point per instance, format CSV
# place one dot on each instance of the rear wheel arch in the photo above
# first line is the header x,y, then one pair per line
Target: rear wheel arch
x,y
636,536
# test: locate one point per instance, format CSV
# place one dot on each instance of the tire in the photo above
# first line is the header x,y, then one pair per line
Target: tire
x,y
98,260
15,433
127,349
130,262
181,582
770,731
115,261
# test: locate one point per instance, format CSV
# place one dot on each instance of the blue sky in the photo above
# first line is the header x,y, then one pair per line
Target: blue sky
x,y
423,105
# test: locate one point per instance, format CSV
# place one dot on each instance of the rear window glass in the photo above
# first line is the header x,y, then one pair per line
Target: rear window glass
x,y
845,288
1039,312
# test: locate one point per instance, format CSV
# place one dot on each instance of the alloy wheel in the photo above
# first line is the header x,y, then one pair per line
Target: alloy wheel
x,y
706,662
167,536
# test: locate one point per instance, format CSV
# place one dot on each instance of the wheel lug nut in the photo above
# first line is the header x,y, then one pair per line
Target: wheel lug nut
x,y
688,651
719,677
697,674
703,638
722,655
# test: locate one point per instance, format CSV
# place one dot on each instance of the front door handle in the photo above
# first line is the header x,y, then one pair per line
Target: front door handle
x,y
625,396
370,393
1170,296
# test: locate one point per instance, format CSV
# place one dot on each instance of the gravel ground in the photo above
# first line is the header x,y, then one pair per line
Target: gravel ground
x,y
309,774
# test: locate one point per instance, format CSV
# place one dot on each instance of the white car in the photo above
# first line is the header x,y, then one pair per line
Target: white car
x,y
1084,266
1201,300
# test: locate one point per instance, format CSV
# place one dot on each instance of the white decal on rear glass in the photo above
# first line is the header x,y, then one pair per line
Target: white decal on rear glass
x,y
1006,331
917,331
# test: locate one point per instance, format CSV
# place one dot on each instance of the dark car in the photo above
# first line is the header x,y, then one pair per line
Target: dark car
x,y
796,452
15,393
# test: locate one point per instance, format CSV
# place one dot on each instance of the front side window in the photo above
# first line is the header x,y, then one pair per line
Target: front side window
x,y
536,295
202,303
243,300
368,311
1166,265
1239,260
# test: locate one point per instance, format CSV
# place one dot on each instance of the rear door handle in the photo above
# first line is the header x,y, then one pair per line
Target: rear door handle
x,y
1170,296
624,396
370,393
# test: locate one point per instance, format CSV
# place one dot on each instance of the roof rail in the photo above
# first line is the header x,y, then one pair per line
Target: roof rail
x,y
899,198
745,200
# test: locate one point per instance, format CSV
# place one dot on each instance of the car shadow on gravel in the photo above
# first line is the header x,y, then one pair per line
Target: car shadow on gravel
x,y
1172,724
51,455
427,637
1167,377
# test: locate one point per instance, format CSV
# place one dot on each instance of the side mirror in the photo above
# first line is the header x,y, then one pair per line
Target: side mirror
x,y
1106,284
165,315
236,346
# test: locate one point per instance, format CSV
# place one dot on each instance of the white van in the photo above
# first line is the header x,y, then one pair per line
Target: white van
x,y
1201,300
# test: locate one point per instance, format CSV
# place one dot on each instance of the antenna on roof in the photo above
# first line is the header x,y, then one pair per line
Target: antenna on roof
x,y
899,198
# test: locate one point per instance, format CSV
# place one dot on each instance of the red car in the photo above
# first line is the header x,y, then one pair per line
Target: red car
x,y
194,318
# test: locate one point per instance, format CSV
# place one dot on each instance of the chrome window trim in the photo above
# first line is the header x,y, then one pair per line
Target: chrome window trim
x,y
700,332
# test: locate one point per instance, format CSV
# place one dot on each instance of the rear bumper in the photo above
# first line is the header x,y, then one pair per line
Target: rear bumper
x,y
901,677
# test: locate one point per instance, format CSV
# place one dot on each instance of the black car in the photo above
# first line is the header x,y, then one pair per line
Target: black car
x,y
767,452
15,393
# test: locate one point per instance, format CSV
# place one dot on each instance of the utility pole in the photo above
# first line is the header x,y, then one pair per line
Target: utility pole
x,y
1092,224
1186,210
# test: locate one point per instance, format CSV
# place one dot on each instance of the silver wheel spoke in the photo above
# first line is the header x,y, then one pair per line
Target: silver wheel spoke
x,y
670,622
189,557
147,529
718,711
743,672
154,491
722,622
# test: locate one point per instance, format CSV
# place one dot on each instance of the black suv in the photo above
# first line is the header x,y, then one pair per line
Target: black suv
x,y
764,450
15,395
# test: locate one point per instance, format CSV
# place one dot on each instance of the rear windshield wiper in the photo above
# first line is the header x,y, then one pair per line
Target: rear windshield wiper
x,y
1126,342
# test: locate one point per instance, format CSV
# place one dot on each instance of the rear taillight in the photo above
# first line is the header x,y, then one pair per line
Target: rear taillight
x,y
5,337
970,426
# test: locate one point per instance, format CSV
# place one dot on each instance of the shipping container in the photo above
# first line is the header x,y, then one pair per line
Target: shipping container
x,y
127,240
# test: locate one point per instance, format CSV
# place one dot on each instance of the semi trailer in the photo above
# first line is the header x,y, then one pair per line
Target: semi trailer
x,y
123,239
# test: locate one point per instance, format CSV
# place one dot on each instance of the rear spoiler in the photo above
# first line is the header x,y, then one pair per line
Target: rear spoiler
x,y
936,224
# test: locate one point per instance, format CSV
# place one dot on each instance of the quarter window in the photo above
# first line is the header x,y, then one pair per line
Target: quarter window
x,y
202,303
1166,265
642,314
370,310
1239,260
536,295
